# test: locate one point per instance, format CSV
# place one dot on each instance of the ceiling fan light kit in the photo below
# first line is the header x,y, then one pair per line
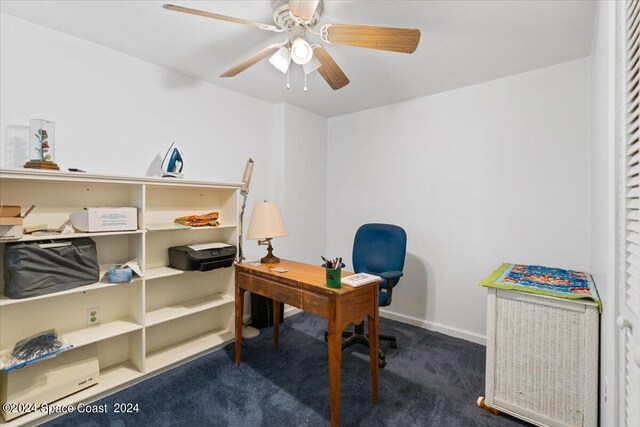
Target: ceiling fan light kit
x,y
298,18
281,59
301,51
312,65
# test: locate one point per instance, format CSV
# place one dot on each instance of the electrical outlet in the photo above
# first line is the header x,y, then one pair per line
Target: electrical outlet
x,y
93,316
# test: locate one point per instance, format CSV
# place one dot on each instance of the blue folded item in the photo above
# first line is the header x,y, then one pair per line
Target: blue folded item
x,y
119,274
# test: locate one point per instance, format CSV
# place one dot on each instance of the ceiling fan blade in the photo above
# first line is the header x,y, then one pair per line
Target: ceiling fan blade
x,y
403,40
251,61
329,69
259,25
303,9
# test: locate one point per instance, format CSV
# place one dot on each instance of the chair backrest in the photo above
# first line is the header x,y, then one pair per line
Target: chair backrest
x,y
378,248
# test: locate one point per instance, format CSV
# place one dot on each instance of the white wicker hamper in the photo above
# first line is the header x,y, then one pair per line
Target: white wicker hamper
x,y
542,358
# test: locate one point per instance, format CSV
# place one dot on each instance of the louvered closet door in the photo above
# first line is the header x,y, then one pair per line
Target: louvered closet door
x,y
629,320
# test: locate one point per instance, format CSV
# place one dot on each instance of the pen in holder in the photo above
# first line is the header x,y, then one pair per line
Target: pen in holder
x,y
333,277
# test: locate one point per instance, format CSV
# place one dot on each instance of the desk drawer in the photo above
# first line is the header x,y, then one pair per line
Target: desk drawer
x,y
315,304
271,289
287,295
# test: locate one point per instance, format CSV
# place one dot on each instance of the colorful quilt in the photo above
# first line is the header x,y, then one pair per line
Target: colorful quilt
x,y
537,279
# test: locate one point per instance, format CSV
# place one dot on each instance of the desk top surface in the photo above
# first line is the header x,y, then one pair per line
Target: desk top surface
x,y
312,277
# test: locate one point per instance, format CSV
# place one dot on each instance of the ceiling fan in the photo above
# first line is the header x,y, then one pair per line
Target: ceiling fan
x,y
298,19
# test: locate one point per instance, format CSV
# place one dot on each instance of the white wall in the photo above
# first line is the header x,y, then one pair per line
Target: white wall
x,y
304,184
492,173
602,194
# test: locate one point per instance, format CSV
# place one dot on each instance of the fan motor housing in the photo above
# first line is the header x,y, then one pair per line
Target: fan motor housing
x,y
283,19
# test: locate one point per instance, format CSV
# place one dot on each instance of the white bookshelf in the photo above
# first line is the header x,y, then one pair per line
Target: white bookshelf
x,y
149,324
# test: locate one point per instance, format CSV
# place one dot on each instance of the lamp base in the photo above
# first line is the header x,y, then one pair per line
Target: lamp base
x,y
270,258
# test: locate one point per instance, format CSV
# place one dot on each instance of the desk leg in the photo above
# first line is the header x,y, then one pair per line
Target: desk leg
x,y
239,312
373,354
276,323
335,368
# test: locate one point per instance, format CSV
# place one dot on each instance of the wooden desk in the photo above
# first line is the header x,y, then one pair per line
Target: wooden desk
x,y
304,287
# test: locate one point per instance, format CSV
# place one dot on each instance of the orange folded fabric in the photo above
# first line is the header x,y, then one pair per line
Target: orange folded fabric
x,y
210,219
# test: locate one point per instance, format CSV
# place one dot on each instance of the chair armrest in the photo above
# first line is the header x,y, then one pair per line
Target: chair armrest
x,y
391,275
392,278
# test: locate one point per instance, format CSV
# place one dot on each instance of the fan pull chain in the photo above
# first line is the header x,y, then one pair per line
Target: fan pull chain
x,y
288,86
305,82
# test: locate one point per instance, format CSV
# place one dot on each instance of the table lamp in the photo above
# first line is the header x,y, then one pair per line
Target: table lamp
x,y
265,224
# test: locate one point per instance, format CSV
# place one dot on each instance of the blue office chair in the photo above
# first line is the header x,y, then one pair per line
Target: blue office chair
x,y
378,249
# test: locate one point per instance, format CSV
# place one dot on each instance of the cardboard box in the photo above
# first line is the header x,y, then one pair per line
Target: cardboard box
x,y
6,220
105,219
10,211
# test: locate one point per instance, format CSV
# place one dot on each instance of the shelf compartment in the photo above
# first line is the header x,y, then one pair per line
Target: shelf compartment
x,y
111,377
100,332
208,341
55,201
165,204
157,243
92,334
186,308
120,311
99,285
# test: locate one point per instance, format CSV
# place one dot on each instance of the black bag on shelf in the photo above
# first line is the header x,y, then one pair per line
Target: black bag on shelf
x,y
37,268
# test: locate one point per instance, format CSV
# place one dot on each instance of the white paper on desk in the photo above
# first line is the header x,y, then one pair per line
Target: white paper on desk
x,y
134,266
203,246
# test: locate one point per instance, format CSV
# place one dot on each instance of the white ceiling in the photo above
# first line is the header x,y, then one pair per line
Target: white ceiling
x,y
463,43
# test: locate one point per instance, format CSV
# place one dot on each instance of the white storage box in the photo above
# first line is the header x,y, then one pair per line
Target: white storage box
x,y
47,381
105,219
542,358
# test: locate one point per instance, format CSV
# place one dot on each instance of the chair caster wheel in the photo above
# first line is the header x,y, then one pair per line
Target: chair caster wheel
x,y
382,364
326,336
394,344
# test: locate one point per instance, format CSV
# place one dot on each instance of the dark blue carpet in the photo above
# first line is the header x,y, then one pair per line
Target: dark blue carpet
x,y
431,379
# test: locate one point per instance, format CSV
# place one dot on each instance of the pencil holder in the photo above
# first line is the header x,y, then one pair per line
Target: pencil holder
x,y
333,277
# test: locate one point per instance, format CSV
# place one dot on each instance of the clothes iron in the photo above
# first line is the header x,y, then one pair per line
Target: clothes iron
x,y
173,163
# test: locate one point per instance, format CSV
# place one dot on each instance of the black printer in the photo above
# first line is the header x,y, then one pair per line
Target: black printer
x,y
202,256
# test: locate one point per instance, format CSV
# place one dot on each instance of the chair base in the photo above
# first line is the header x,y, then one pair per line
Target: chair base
x,y
359,337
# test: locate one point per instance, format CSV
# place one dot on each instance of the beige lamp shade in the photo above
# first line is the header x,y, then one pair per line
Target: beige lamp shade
x,y
266,222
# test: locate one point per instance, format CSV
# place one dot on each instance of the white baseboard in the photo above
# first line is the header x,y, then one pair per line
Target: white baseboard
x,y
436,327
290,311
